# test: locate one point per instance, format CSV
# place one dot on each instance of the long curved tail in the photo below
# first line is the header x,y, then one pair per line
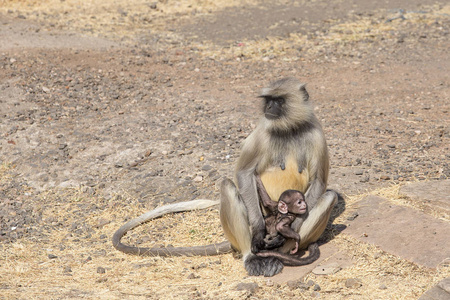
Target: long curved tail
x,y
208,250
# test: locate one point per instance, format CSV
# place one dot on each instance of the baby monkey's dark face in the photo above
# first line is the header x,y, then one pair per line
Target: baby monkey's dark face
x,y
299,204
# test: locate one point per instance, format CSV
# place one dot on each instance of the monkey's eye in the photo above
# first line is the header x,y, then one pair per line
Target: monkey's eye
x,y
280,100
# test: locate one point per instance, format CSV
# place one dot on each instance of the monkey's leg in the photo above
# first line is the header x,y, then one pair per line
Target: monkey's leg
x,y
315,223
233,217
234,220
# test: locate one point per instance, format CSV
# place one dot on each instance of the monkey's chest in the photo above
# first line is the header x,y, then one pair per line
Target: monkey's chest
x,y
276,180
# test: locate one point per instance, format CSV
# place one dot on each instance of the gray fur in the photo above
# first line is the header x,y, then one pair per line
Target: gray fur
x,y
298,131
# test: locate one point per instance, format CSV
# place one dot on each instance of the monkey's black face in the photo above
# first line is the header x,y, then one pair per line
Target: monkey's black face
x,y
273,107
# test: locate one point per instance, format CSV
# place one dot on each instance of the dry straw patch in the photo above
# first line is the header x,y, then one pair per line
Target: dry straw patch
x,y
76,229
113,18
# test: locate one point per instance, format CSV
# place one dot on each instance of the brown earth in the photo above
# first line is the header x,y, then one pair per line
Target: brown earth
x,y
109,109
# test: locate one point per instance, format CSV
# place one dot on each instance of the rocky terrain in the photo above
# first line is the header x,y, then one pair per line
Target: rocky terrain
x,y
106,115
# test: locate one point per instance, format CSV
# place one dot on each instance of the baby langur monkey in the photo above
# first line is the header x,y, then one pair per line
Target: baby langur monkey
x,y
290,206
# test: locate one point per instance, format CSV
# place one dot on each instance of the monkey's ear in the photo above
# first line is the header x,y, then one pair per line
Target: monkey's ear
x,y
304,92
282,207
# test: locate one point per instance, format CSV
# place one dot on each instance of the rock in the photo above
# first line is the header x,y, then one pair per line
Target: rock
x,y
327,269
198,178
250,287
52,256
315,294
441,291
353,283
445,284
316,287
206,168
430,193
296,284
391,227
193,276
353,216
101,270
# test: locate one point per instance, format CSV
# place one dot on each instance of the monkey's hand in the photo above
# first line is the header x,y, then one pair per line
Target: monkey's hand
x,y
276,242
258,242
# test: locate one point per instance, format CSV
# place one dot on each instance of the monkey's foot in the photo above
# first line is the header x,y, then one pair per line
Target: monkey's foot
x,y
267,266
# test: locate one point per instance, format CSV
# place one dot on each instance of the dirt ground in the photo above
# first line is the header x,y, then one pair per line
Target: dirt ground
x,y
111,108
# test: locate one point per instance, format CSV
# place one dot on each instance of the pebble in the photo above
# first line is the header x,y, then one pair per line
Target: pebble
x,y
67,269
198,178
193,276
353,283
353,216
52,256
250,287
296,284
101,270
315,294
326,269
270,282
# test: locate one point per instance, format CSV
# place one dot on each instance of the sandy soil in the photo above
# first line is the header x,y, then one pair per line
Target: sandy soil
x,y
111,108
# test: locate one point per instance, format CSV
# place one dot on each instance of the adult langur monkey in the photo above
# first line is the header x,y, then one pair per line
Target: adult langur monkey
x,y
288,151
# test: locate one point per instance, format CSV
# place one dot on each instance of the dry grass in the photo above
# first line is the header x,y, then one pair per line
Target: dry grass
x,y
128,20
115,19
26,271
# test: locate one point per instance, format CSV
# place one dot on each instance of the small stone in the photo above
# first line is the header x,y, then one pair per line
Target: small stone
x,y
316,287
384,177
102,222
359,172
269,282
198,178
250,287
67,269
101,270
326,269
193,276
310,283
353,216
365,178
353,283
296,284
206,168
52,256
315,294
382,287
